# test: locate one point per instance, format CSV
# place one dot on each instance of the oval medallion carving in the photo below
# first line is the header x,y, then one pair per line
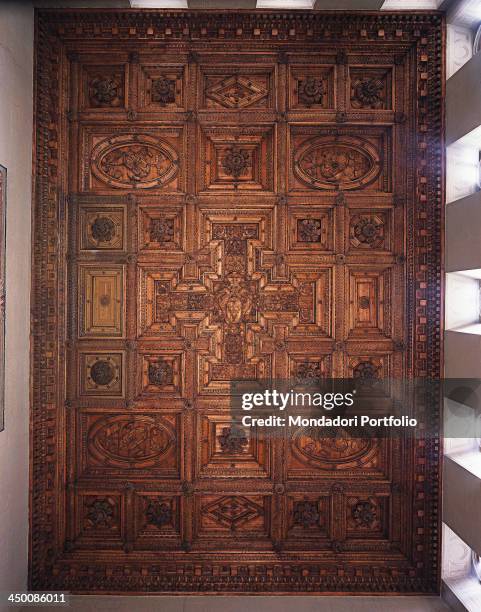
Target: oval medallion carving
x,y
130,440
337,163
135,161
336,452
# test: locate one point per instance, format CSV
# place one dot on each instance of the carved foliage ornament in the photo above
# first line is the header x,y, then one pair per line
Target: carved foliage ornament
x,y
134,161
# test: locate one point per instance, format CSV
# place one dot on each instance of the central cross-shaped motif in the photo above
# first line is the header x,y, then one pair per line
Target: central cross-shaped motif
x,y
235,299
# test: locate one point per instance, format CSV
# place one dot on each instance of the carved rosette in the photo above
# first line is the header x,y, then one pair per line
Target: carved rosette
x,y
103,229
309,230
368,93
163,90
106,91
159,513
232,440
160,374
366,370
308,372
367,231
161,230
102,372
306,514
236,162
311,91
100,513
364,513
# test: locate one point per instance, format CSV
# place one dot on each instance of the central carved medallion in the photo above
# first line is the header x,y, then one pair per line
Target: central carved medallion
x,y
235,300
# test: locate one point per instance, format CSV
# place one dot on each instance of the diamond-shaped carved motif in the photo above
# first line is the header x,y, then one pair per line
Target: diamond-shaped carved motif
x,y
236,92
233,511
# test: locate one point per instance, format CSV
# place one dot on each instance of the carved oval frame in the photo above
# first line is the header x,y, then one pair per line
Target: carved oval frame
x,y
111,144
355,143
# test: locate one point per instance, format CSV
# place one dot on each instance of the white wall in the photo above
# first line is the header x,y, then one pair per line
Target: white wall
x,y
16,68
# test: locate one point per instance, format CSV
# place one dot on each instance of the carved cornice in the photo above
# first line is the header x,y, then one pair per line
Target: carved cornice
x,y
272,26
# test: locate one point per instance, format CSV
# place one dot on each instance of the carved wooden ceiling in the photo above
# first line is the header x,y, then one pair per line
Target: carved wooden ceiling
x,y
223,197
